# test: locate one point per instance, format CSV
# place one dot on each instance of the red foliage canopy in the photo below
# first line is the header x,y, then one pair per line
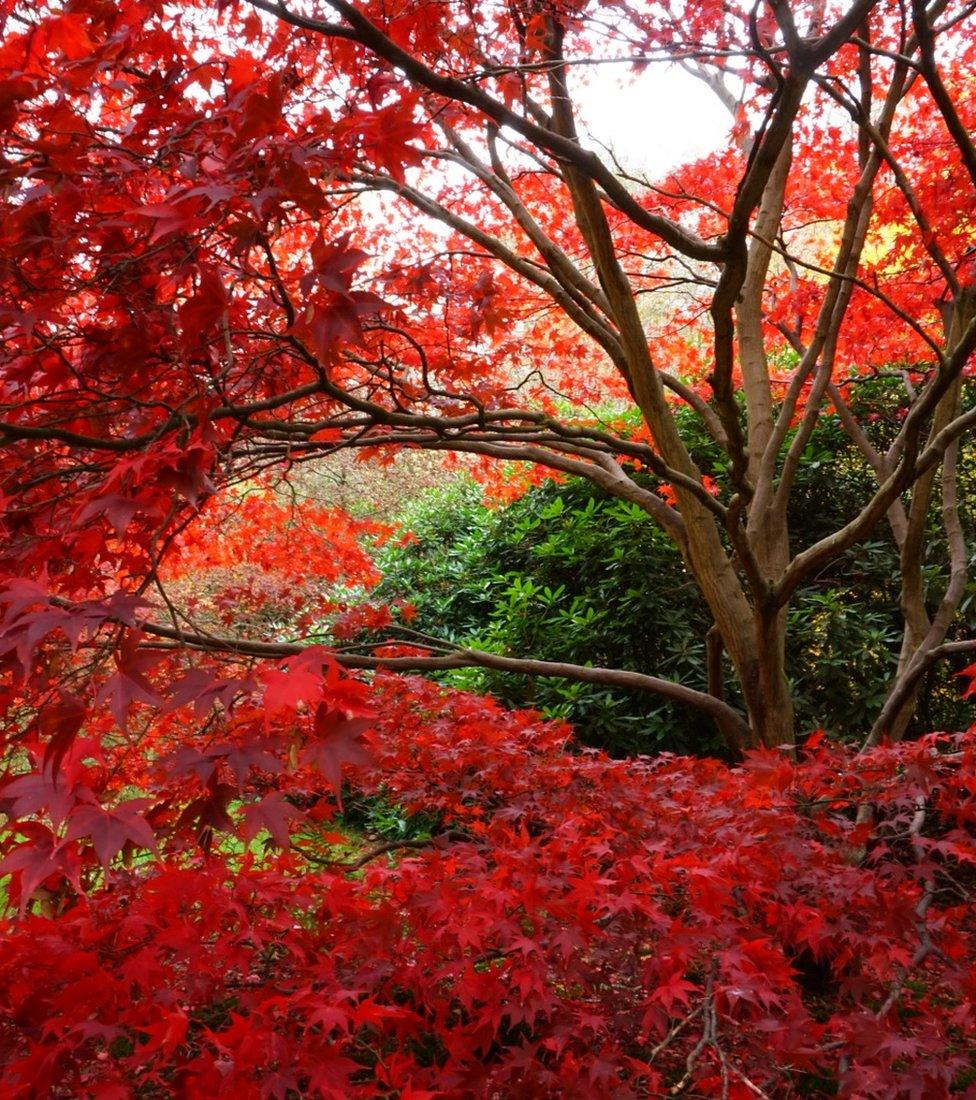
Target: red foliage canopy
x,y
574,926
199,286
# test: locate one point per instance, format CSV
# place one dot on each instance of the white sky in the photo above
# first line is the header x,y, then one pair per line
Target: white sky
x,y
654,121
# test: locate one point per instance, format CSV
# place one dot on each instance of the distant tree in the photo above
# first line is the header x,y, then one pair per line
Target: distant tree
x,y
569,571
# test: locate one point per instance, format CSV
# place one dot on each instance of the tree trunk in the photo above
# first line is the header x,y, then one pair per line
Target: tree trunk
x,y
761,671
924,632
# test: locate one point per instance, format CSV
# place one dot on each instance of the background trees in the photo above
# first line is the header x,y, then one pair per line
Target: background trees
x,y
579,575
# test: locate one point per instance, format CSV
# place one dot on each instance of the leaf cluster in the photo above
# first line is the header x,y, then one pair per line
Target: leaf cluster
x,y
571,926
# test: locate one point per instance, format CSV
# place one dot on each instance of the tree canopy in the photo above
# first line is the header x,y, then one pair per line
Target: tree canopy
x,y
239,237
380,227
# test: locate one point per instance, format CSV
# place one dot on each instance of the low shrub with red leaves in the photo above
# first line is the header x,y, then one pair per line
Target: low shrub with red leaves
x,y
574,926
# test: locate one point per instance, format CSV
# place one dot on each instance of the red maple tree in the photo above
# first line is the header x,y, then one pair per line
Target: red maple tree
x,y
238,237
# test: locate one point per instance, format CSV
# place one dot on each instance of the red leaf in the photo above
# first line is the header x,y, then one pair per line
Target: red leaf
x,y
273,813
46,791
59,724
297,680
110,830
200,314
338,741
37,859
130,685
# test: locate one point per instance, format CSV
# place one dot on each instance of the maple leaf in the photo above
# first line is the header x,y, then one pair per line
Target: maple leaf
x,y
169,218
48,790
129,684
191,761
41,857
187,471
536,32
209,812
58,724
333,265
331,1017
117,509
338,741
770,768
20,593
273,812
331,1074
111,830
201,313
166,1034
297,680
241,759
205,686
675,991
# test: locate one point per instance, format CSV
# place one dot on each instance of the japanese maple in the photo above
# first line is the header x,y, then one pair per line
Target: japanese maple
x,y
245,238
571,926
238,237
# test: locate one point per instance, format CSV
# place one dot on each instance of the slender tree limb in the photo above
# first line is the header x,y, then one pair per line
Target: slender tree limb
x,y
930,71
730,722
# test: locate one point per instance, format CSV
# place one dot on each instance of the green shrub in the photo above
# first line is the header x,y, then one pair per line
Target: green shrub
x,y
567,573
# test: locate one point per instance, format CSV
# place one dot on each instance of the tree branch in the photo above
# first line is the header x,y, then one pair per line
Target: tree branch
x,y
731,724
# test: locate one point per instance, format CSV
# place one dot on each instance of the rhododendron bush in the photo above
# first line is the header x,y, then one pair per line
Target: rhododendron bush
x,y
573,926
